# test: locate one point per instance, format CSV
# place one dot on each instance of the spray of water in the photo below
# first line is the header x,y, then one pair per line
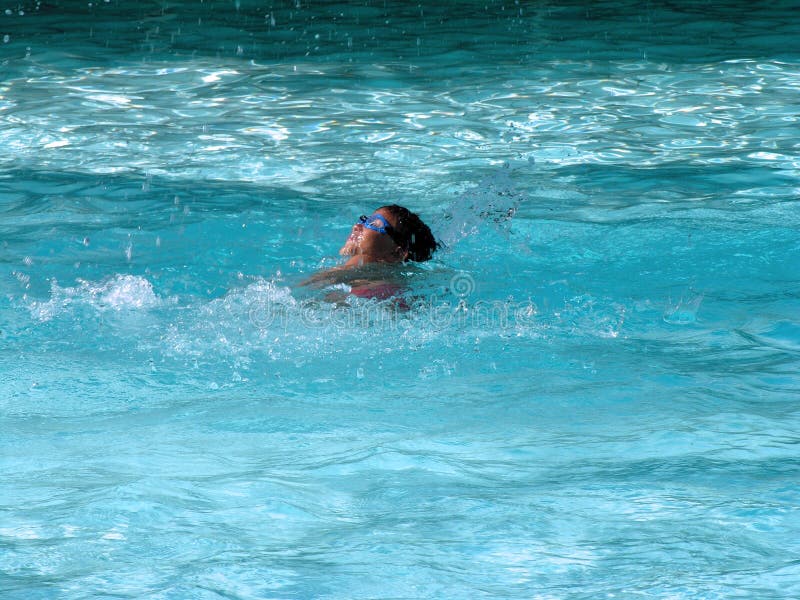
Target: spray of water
x,y
493,201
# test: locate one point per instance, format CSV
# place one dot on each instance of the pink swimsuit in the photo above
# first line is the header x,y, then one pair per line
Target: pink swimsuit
x,y
383,291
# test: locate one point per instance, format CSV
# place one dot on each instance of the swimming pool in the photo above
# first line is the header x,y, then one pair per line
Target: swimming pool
x,y
593,393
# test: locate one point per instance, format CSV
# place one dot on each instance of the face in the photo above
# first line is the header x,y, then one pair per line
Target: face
x,y
367,246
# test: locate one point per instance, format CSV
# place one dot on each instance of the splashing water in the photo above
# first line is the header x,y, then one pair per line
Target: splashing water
x,y
493,201
121,292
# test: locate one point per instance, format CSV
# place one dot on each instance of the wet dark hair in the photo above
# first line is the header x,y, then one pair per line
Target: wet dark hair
x,y
411,234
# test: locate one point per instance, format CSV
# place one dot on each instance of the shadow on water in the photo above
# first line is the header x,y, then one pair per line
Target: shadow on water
x,y
475,33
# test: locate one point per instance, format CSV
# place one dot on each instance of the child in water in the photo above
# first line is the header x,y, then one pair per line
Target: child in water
x,y
391,235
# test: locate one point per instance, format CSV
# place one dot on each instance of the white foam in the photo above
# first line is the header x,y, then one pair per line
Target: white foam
x,y
121,292
128,291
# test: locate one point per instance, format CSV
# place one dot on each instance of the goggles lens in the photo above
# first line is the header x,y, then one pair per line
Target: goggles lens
x,y
375,222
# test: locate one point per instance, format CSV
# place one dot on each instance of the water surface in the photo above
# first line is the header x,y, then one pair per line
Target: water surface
x,y
593,390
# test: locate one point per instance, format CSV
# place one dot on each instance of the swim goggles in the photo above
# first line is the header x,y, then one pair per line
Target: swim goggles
x,y
375,222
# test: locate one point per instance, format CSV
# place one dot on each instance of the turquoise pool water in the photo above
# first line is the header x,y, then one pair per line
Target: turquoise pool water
x,y
592,394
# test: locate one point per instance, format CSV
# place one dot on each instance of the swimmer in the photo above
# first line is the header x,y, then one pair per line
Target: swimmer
x,y
391,235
